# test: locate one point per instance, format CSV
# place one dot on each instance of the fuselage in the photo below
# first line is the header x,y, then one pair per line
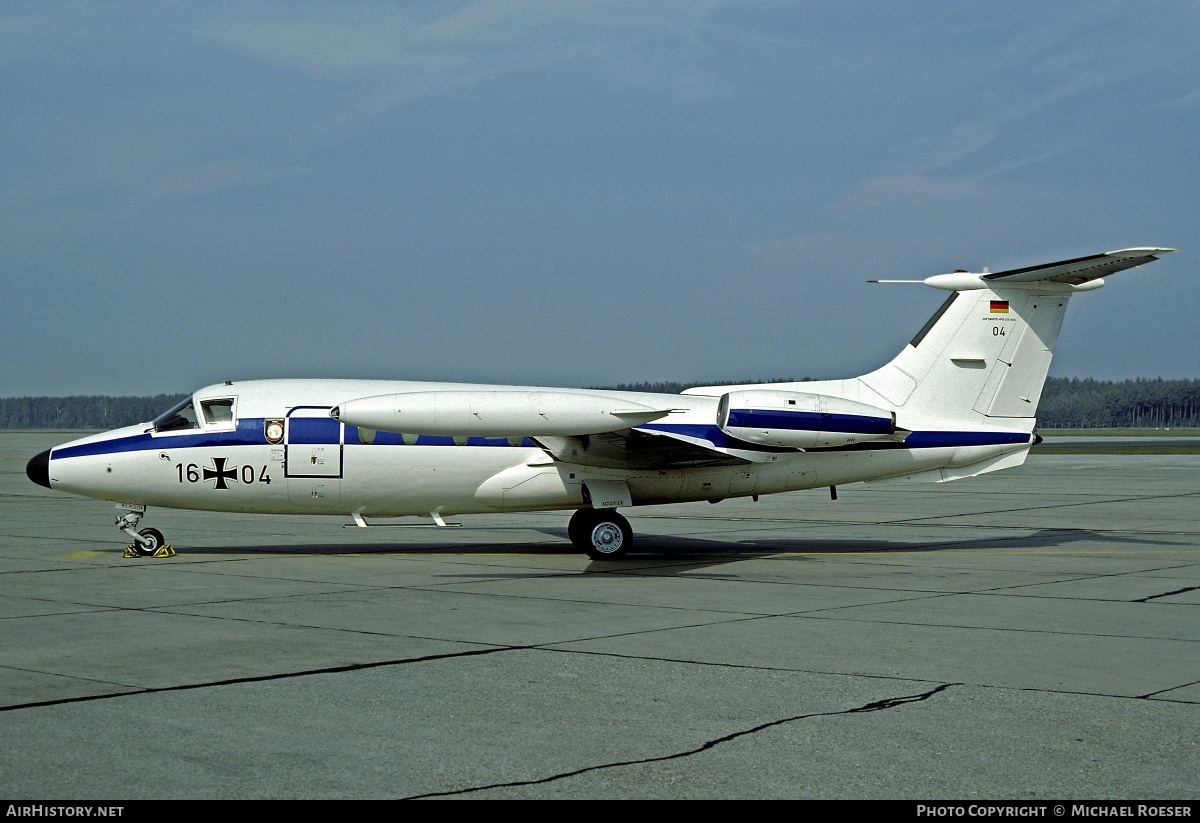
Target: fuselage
x,y
272,446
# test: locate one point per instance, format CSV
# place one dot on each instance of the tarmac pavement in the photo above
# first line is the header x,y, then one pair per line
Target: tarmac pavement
x,y
1028,634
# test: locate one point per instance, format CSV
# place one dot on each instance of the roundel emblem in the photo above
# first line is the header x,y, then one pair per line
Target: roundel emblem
x,y
274,430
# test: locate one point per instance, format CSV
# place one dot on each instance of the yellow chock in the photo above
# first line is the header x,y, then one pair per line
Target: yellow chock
x,y
165,550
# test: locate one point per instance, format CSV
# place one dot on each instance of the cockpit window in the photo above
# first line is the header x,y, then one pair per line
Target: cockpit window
x,y
179,416
217,412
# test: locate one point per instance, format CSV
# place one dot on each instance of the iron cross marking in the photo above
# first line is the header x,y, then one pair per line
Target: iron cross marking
x,y
219,473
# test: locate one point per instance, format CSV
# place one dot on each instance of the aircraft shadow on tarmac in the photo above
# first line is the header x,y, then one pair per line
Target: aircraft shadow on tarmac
x,y
692,549
1041,539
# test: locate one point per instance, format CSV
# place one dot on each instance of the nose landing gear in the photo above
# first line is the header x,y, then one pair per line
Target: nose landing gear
x,y
147,542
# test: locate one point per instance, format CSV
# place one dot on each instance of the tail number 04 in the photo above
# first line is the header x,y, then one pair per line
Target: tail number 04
x,y
193,473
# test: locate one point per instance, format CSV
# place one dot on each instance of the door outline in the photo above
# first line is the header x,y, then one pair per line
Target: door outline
x,y
294,468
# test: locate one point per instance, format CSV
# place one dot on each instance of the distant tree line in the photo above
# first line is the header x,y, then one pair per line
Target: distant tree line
x,y
1071,403
1066,403
82,412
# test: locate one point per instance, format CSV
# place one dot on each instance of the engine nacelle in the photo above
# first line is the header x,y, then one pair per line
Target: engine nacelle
x,y
801,420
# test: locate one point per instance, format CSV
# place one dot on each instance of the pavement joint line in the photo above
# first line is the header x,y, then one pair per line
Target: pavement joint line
x,y
264,678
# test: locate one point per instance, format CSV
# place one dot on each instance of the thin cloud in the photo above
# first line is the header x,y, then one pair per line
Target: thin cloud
x,y
442,49
1079,50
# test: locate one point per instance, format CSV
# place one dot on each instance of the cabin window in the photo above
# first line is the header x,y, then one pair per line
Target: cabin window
x,y
217,412
180,416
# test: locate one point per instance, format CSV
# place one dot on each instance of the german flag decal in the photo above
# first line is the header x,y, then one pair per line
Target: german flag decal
x,y
999,307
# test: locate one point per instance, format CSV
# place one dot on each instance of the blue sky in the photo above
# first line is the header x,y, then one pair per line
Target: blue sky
x,y
577,193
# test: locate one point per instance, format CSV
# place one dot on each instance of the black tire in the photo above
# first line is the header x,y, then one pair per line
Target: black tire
x,y
610,536
579,527
155,542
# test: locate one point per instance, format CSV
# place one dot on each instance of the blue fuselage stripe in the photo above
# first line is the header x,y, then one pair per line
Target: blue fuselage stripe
x,y
941,440
249,432
782,419
313,430
915,440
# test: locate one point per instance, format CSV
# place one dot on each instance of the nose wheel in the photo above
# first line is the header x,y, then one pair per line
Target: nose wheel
x,y
152,541
602,534
147,542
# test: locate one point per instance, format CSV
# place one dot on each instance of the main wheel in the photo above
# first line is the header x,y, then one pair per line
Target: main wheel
x,y
579,527
154,542
609,537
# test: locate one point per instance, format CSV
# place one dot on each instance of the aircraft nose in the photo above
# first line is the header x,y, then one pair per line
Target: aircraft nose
x,y
38,469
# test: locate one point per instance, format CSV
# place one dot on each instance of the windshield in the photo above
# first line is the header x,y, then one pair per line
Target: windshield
x,y
180,416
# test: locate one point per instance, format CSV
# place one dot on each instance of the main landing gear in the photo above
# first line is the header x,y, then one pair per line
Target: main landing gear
x,y
147,542
601,533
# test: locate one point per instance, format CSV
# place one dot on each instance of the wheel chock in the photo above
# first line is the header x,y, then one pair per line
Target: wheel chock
x,y
165,550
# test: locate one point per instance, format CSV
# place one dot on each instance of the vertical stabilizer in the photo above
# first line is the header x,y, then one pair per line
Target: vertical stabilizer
x,y
984,356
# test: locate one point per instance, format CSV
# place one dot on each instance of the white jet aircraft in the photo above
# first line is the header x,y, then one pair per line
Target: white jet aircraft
x,y
958,401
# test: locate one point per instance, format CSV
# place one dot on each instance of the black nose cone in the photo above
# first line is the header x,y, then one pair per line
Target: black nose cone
x,y
38,469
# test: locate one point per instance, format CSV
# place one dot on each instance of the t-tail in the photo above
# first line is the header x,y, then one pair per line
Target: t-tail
x,y
982,359
961,399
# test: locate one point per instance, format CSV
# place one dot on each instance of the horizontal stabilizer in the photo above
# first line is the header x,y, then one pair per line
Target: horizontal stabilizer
x,y
1080,270
1077,274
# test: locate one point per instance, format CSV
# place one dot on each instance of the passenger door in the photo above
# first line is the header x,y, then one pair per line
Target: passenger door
x,y
312,460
